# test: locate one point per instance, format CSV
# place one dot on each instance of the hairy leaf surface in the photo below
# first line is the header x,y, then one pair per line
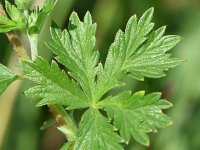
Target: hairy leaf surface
x,y
136,114
76,50
95,132
52,85
139,52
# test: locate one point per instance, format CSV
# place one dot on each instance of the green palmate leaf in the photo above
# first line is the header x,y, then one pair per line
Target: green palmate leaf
x,y
76,50
95,133
140,52
137,114
6,77
52,85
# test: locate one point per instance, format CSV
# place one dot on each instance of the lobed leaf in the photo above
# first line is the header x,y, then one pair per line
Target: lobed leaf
x,y
136,114
96,133
52,85
151,60
139,52
75,49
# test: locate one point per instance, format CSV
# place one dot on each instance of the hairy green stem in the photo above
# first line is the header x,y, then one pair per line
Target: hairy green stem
x,y
33,39
64,121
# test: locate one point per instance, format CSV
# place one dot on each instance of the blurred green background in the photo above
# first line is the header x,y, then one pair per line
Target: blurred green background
x,y
20,120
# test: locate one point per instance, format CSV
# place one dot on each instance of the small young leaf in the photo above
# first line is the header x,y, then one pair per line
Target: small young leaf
x,y
15,15
137,114
38,17
6,77
95,133
7,25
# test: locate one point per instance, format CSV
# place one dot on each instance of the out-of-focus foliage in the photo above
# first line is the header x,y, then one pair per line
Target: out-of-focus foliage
x,y
182,87
6,77
186,94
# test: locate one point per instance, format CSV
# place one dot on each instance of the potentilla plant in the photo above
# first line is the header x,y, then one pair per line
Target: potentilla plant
x,y
109,121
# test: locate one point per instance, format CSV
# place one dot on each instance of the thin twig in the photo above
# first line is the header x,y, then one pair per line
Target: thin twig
x,y
14,39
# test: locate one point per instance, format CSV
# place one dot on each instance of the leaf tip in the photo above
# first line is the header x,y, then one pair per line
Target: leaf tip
x,y
147,143
74,15
88,14
151,10
88,18
39,104
169,123
164,27
115,129
124,141
170,104
179,38
141,93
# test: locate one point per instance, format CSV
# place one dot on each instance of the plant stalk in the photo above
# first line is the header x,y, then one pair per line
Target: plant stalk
x,y
33,39
64,121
